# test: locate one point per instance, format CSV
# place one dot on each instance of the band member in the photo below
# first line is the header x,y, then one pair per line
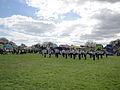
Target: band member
x,y
66,53
74,54
106,54
97,54
101,54
71,53
82,53
93,53
79,55
90,53
50,53
57,53
44,52
85,54
63,53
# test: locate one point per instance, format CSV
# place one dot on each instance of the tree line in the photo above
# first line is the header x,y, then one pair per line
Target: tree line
x,y
90,44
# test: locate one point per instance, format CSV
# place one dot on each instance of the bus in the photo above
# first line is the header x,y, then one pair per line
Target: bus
x,y
109,49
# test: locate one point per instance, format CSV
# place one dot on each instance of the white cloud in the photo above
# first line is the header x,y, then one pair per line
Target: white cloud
x,y
108,28
24,29
93,14
51,9
27,24
111,1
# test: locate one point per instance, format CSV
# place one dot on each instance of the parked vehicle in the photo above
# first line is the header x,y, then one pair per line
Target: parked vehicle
x,y
109,49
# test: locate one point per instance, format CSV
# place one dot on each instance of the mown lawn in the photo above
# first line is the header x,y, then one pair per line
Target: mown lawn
x,y
33,72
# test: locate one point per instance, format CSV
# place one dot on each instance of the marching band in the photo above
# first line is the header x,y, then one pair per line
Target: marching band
x,y
73,53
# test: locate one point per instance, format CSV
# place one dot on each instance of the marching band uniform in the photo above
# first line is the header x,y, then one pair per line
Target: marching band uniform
x,y
63,53
66,53
57,52
79,55
93,53
74,54
49,53
97,54
44,52
85,54
70,53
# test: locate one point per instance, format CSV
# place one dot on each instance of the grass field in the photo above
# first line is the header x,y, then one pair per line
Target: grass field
x,y
33,72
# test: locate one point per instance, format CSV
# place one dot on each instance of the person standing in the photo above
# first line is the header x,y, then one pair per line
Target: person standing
x,y
50,53
93,54
101,54
79,54
44,52
63,53
74,54
106,53
97,54
66,54
57,53
82,53
90,53
71,53
85,54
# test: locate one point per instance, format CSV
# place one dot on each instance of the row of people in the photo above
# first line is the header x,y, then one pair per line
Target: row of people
x,y
73,53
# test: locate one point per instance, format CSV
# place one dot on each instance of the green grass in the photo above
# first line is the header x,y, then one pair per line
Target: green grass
x,y
33,72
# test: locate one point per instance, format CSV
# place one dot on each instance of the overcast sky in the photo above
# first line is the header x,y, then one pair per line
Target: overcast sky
x,y
60,21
